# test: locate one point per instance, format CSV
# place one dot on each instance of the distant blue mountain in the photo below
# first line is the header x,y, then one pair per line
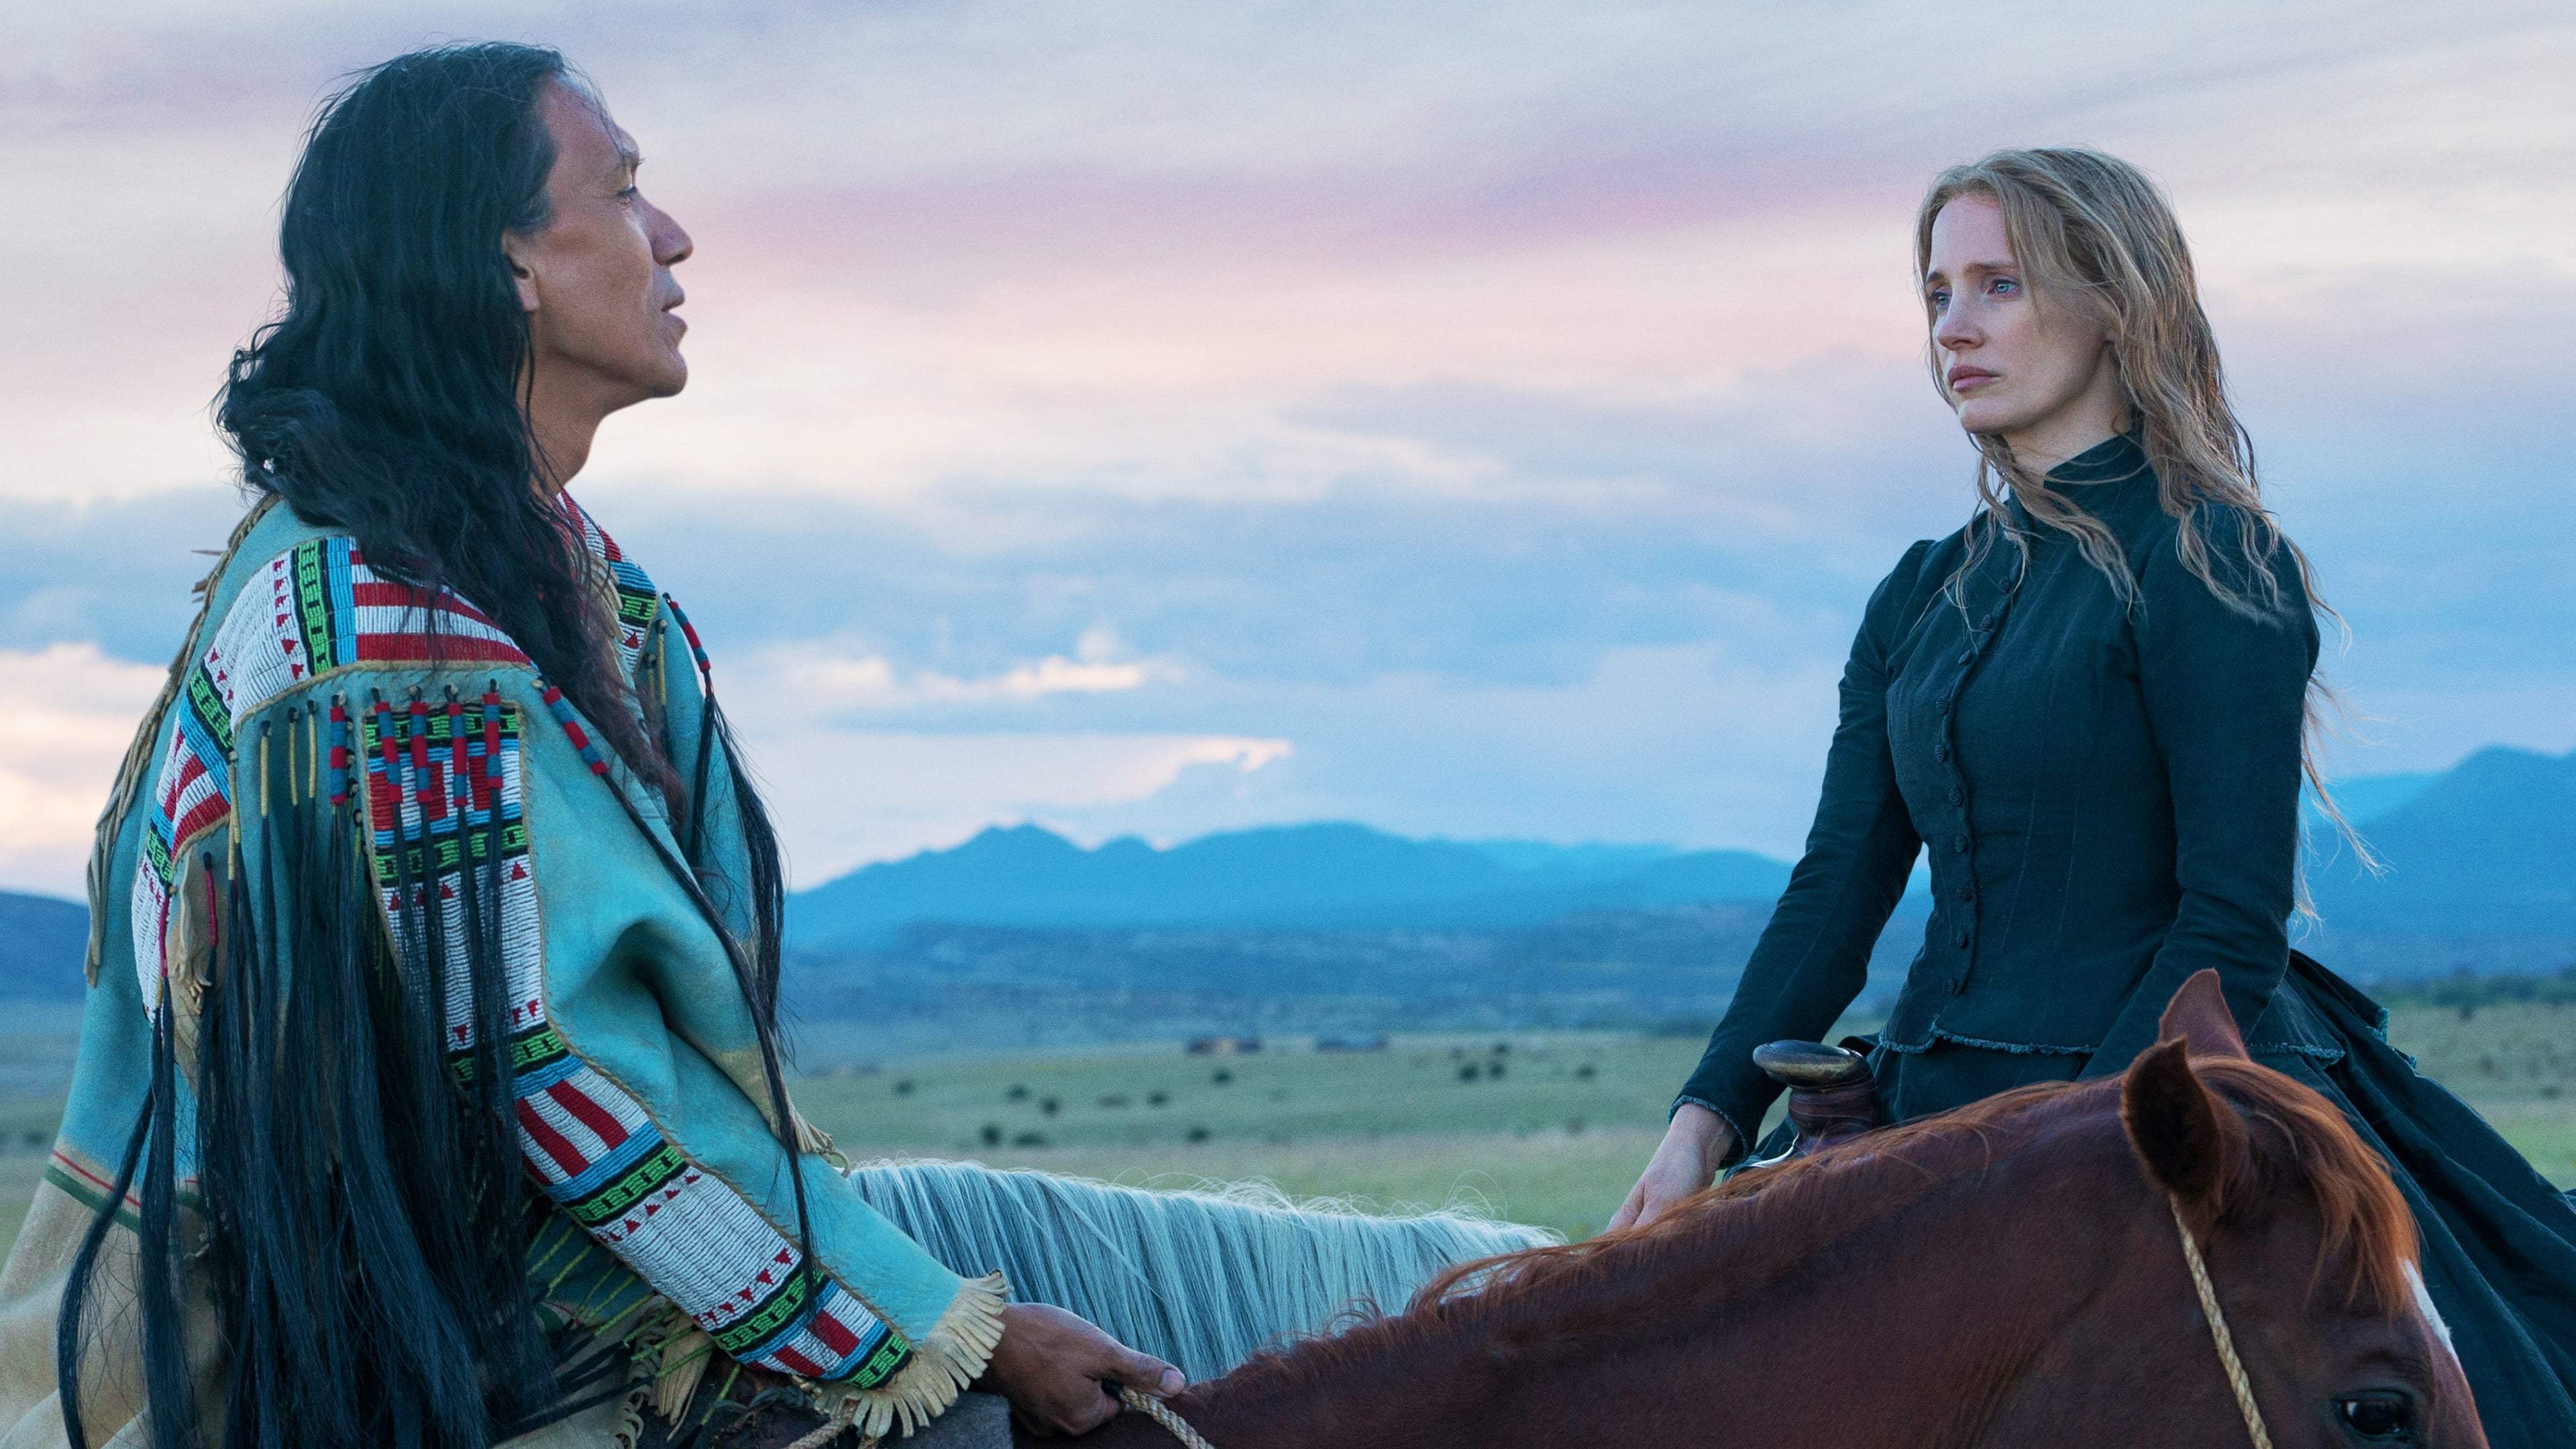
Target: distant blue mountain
x,y
1695,878
1590,858
1310,876
42,942
2484,850
2488,848
2365,798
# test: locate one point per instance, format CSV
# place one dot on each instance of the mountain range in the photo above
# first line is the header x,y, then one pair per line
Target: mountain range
x,y
42,941
2488,848
2481,870
2485,849
1325,876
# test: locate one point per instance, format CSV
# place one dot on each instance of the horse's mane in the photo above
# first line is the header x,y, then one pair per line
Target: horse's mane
x,y
2301,1144
2298,1149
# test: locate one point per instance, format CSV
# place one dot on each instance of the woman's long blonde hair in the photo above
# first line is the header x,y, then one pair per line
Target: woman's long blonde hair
x,y
2096,238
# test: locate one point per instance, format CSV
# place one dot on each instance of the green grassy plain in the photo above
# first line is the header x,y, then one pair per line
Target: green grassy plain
x,y
1555,1138
1405,1127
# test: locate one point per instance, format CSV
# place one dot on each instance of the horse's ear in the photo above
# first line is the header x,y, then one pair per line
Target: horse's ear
x,y
2182,1132
2198,1014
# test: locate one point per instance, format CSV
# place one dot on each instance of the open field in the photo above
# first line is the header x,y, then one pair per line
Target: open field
x,y
1555,1137
1406,1126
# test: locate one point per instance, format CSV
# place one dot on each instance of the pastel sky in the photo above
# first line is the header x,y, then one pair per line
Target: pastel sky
x,y
1472,419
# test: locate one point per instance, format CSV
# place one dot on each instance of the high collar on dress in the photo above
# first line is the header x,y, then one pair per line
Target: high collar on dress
x,y
2117,459
2110,480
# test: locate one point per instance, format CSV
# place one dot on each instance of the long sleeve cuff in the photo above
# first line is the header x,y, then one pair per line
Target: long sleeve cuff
x,y
1743,1144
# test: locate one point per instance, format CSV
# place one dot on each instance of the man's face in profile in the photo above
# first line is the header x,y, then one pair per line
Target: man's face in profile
x,y
603,320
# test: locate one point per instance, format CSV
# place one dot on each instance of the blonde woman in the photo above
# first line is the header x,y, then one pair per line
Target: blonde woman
x,y
2091,707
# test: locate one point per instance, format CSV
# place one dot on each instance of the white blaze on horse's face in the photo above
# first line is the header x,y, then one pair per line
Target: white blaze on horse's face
x,y
2432,1315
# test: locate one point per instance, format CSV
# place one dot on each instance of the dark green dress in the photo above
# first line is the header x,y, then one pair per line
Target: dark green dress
x,y
2109,796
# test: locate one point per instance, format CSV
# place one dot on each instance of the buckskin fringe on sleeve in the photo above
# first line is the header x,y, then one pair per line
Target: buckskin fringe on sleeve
x,y
948,1358
309,696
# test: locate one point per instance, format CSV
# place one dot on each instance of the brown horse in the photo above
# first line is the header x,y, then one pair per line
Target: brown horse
x,y
2012,1273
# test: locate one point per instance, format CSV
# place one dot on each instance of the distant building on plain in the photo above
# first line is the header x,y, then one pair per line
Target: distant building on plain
x,y
1223,1046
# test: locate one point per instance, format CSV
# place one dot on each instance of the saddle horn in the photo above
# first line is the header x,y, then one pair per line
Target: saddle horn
x,y
1832,1096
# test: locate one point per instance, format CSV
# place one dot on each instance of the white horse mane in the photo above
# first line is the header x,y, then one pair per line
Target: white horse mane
x,y
1200,1277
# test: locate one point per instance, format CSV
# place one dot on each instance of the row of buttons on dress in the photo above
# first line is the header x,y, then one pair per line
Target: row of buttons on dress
x,y
1980,635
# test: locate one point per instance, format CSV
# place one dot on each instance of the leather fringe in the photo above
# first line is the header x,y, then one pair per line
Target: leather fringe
x,y
951,1356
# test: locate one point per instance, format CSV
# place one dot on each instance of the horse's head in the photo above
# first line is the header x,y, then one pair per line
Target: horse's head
x,y
2309,1249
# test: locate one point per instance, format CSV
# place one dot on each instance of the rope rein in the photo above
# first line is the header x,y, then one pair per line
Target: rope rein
x,y
840,1422
2218,1334
1162,1413
837,1423
1137,1402
2237,1379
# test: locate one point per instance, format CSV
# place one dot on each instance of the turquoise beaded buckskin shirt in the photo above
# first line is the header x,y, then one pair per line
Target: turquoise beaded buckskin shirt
x,y
2107,791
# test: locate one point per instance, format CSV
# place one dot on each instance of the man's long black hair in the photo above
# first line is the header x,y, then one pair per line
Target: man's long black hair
x,y
366,1221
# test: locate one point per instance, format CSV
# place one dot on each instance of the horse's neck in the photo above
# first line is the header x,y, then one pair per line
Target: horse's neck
x,y
1824,1328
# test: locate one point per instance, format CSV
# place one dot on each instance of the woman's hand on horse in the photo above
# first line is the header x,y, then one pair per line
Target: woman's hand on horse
x,y
1051,1365
1686,1161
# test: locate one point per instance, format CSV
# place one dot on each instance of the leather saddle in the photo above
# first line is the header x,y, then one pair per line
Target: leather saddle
x,y
1832,1097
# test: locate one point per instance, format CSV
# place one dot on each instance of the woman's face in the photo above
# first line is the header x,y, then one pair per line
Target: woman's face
x,y
2040,377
